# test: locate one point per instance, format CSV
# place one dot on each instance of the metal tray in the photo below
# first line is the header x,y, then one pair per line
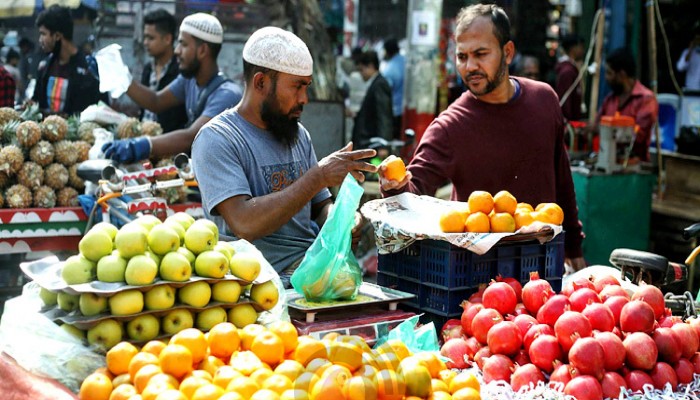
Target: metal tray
x,y
371,293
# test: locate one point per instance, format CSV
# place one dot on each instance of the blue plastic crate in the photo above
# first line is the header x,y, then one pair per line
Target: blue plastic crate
x,y
406,263
388,280
444,301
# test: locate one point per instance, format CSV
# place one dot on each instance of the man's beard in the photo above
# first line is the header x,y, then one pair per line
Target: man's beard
x,y
284,128
491,84
192,70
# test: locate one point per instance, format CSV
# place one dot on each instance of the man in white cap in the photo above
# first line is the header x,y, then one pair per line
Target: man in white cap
x,y
203,89
255,163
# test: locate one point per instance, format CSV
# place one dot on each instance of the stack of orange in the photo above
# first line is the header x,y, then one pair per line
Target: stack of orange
x,y
484,213
272,363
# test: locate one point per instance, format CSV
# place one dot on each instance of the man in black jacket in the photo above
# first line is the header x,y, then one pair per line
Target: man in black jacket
x,y
375,118
158,38
68,81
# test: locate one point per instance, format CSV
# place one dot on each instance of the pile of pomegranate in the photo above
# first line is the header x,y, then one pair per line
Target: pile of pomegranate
x,y
593,337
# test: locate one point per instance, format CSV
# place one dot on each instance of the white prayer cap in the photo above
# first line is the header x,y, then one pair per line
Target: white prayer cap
x,y
279,50
204,27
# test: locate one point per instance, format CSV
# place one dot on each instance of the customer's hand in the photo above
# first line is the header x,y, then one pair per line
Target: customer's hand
x,y
391,184
337,165
128,150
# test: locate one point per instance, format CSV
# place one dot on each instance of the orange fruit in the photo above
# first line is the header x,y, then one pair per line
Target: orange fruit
x,y
437,385
176,360
210,364
224,375
388,360
290,368
268,347
265,394
394,168
440,396
163,377
307,349
190,384
277,383
96,387
153,347
446,375
248,333
464,380
318,365
390,385
260,375
119,356
452,221
208,392
478,222
346,354
171,394
525,206
121,380
432,362
359,388
287,332
466,394
550,213
502,222
200,374
152,390
523,218
294,394
306,381
330,386
104,371
367,371
480,201
246,362
399,348
144,375
139,360
330,336
245,386
223,340
503,201
195,342
123,392
356,340
231,396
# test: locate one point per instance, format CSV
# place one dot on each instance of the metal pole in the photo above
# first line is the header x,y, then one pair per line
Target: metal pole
x,y
651,29
595,82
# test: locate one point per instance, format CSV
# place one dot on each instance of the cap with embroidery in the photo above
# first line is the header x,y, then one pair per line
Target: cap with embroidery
x,y
279,50
203,26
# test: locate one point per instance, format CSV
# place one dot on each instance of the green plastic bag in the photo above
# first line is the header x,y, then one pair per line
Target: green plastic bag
x,y
330,270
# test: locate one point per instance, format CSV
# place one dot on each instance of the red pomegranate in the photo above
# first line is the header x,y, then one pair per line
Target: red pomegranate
x,y
637,316
553,309
653,296
501,297
536,292
525,375
571,326
641,352
584,387
587,356
612,384
613,349
600,317
544,352
505,338
498,368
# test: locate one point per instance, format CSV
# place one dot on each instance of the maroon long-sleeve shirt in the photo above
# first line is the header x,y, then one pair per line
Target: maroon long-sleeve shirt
x,y
517,146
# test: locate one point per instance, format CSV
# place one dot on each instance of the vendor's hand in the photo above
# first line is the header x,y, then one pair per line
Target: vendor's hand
x,y
357,229
577,263
128,150
337,165
390,184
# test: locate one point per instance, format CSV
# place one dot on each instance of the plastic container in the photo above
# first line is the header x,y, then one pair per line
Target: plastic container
x,y
446,275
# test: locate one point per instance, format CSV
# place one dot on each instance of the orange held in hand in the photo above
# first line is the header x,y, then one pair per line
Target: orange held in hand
x,y
395,169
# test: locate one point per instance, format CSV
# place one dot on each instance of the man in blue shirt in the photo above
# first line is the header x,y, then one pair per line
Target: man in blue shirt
x,y
393,72
200,86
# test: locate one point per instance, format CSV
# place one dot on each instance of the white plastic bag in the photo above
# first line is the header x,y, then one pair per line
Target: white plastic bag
x,y
115,77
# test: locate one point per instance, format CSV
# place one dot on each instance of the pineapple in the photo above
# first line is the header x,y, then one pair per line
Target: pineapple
x,y
173,195
85,131
31,113
82,149
54,128
44,197
151,128
18,196
2,200
65,153
67,197
31,175
56,176
11,159
8,132
8,114
73,179
164,162
28,134
129,128
73,122
4,180
42,153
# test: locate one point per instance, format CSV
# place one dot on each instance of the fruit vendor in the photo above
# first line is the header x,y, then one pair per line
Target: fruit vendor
x,y
201,87
502,133
255,163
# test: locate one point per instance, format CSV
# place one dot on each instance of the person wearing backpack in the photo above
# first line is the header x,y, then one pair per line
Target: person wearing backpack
x,y
201,87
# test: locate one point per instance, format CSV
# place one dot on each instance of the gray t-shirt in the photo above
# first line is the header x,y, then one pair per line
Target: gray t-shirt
x,y
232,157
186,90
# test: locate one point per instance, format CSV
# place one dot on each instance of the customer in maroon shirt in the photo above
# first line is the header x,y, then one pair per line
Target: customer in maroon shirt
x,y
567,73
7,88
629,97
502,134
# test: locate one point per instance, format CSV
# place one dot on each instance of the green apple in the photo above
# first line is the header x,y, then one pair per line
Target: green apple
x,y
107,228
126,303
140,270
91,304
226,291
160,297
245,266
225,249
163,239
185,252
210,224
148,221
111,268
195,294
143,328
106,334
67,302
48,297
265,294
242,315
78,269
175,267
211,264
177,320
153,256
77,333
179,229
131,240
182,218
206,319
95,245
199,238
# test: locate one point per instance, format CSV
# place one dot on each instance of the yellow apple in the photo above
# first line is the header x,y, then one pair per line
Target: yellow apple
x,y
143,328
265,294
140,270
126,303
148,221
77,333
199,238
242,315
111,268
179,229
225,248
185,252
48,297
95,245
163,239
177,320
226,291
160,297
78,269
175,267
195,294
211,264
182,218
107,228
131,240
210,224
106,334
206,319
91,304
67,301
245,266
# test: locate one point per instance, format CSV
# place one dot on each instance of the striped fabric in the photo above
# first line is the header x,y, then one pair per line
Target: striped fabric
x,y
56,93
